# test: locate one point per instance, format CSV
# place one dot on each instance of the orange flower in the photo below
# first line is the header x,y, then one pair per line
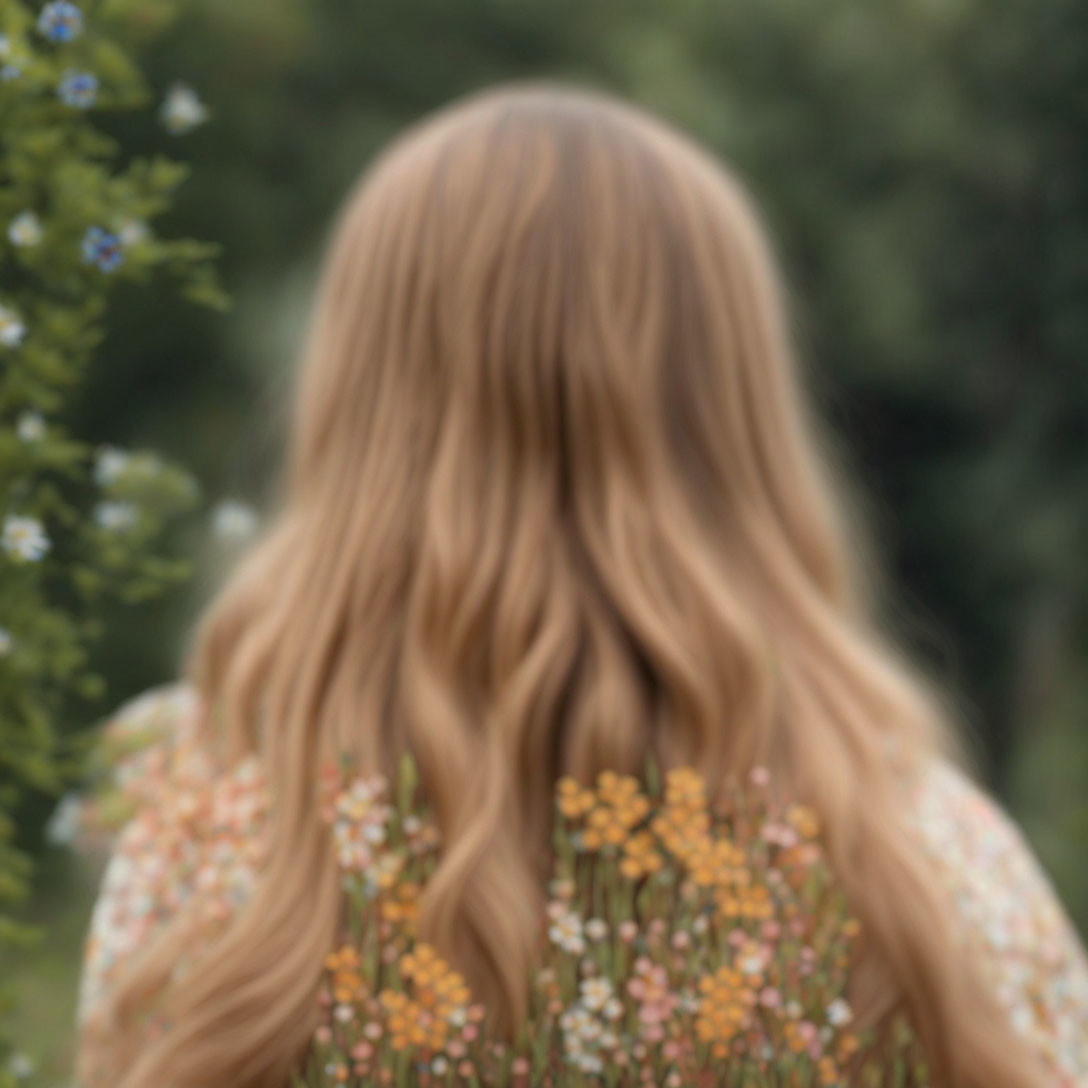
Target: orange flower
x,y
640,856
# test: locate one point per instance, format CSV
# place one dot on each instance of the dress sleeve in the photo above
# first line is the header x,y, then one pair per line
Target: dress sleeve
x,y
1005,903
139,749
184,835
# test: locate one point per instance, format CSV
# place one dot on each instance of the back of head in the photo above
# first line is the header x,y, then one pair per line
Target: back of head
x,y
553,505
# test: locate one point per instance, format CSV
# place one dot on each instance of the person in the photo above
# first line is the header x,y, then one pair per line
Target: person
x,y
548,735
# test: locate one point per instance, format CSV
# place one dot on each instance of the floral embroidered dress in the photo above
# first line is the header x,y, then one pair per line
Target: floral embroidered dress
x,y
679,940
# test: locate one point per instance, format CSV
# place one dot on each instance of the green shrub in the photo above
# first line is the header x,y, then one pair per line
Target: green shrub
x,y
79,524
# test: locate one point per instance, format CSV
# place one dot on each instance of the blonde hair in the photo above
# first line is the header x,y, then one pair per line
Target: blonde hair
x,y
554,504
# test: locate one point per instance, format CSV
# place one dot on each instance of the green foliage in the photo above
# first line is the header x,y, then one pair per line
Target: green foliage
x,y
80,524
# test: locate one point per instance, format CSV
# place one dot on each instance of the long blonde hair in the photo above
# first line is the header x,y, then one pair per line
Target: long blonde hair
x,y
553,504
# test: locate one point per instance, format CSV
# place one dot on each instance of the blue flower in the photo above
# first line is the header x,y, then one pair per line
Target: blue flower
x,y
60,21
79,89
102,249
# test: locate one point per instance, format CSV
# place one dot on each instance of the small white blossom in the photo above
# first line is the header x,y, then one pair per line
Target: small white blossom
x,y
63,825
30,427
110,464
595,993
596,929
12,329
182,109
234,521
115,516
20,1066
839,1012
25,230
566,931
24,538
132,231
5,47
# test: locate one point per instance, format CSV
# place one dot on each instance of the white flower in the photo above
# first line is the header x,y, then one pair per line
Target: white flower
x,y
596,929
25,230
751,961
12,329
5,46
595,993
182,109
233,521
30,427
839,1012
132,231
24,538
566,931
63,825
590,1063
580,1024
6,642
110,465
20,1066
115,516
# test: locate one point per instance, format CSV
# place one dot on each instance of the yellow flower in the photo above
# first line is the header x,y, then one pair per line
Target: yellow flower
x,y
573,800
640,856
804,821
723,1009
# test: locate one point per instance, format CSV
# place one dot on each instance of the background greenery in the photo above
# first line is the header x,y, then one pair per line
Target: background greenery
x,y
923,167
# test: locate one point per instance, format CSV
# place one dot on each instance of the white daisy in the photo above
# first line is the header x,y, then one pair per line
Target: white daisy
x,y
12,329
115,517
24,538
595,992
25,230
30,427
182,109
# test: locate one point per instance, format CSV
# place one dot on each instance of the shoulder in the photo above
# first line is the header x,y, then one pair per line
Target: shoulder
x,y
180,834
140,745
1005,904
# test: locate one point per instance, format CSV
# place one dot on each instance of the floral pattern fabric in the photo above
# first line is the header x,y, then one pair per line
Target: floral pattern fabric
x,y
679,938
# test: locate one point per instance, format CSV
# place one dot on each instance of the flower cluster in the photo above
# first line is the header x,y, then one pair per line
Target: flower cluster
x,y
680,933
209,831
